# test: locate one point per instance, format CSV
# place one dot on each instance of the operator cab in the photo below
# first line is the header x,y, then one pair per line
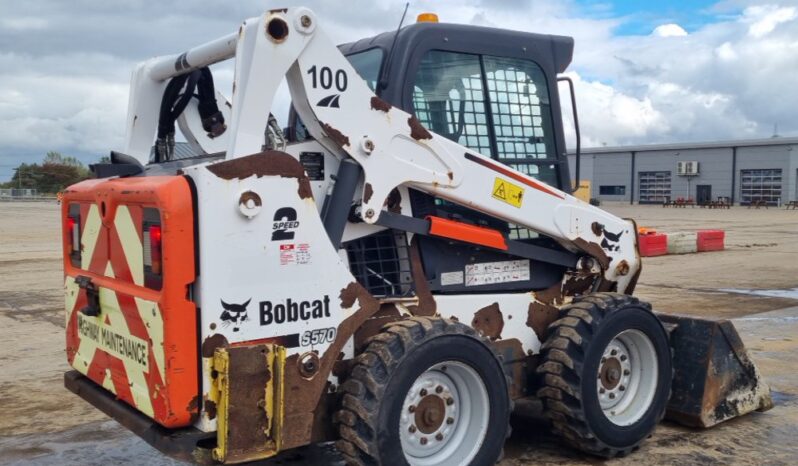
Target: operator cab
x,y
493,91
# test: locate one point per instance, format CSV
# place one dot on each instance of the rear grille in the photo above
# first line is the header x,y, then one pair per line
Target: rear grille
x,y
381,263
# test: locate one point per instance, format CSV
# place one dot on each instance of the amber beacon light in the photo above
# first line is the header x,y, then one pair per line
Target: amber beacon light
x,y
427,18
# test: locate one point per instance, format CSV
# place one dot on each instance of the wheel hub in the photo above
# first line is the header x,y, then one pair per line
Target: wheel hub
x,y
444,416
430,413
627,377
610,373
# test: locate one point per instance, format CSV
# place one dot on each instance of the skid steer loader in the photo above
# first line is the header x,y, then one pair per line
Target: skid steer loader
x,y
391,272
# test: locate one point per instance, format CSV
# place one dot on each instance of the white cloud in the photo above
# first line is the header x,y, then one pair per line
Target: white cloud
x,y
764,19
64,69
669,30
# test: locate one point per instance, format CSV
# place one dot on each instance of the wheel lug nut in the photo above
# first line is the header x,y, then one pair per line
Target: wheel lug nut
x,y
623,357
449,401
412,429
601,390
423,440
612,396
412,409
450,420
438,389
613,352
439,437
626,372
603,360
621,388
423,392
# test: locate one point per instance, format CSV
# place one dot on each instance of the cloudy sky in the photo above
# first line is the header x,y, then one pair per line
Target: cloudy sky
x,y
646,72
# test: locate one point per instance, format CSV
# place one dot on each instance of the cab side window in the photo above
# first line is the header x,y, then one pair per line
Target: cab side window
x,y
496,106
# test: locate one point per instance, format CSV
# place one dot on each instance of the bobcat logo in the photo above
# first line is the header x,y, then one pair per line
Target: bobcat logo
x,y
234,314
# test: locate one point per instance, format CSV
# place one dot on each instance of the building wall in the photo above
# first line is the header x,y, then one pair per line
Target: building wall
x,y
715,169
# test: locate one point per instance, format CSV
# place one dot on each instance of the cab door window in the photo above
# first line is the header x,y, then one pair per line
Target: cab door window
x,y
497,106
449,99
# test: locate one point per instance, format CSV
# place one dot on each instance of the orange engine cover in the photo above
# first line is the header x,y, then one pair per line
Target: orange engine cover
x,y
142,344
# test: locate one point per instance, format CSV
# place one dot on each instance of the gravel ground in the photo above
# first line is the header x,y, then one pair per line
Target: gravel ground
x,y
45,424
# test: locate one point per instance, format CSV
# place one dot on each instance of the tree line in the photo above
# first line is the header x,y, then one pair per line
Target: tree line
x,y
53,174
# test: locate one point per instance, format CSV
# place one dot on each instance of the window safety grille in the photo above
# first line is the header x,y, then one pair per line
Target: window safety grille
x,y
381,263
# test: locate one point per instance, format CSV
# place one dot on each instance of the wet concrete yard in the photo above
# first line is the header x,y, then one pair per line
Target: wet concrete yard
x,y
753,282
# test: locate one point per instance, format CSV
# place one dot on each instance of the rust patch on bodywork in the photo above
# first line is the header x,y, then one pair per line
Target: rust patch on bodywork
x,y
217,340
544,310
368,191
193,405
595,251
348,295
267,163
309,404
193,408
489,321
248,375
426,302
622,268
379,104
388,313
210,408
579,284
417,130
394,202
516,363
337,136
539,316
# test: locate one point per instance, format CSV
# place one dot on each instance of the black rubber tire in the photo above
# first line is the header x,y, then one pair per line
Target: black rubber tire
x,y
570,359
368,420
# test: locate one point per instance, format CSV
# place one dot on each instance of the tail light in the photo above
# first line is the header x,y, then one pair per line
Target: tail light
x,y
73,234
152,250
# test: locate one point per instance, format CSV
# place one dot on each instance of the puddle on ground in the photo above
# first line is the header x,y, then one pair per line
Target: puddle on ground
x,y
781,397
791,293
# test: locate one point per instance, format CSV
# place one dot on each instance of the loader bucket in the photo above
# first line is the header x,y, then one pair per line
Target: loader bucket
x,y
714,377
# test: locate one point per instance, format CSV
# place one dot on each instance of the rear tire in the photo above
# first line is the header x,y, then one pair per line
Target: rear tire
x,y
426,391
605,373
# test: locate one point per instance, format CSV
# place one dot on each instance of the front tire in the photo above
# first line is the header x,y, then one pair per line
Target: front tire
x,y
605,373
426,391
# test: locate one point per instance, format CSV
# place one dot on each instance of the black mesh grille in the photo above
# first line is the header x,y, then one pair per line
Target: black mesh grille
x,y
381,263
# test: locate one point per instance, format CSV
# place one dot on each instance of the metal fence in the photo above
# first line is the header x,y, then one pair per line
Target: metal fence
x,y
17,194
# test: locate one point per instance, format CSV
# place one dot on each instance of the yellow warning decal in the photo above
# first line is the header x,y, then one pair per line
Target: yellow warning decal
x,y
507,192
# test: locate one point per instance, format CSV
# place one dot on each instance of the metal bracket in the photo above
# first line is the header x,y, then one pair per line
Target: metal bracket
x,y
247,377
92,308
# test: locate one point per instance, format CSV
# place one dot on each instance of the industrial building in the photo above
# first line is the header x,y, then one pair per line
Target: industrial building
x,y
758,171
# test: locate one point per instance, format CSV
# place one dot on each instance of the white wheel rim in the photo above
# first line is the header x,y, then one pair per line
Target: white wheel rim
x,y
627,377
444,416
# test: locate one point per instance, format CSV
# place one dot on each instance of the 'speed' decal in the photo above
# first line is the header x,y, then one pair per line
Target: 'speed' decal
x,y
285,222
293,311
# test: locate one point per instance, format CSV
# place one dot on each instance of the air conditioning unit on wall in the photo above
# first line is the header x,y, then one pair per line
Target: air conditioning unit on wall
x,y
687,168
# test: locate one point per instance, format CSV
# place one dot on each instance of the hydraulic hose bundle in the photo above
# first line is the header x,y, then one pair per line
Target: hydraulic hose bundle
x,y
176,96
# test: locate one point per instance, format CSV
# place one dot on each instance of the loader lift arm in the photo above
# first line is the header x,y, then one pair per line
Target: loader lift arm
x,y
390,145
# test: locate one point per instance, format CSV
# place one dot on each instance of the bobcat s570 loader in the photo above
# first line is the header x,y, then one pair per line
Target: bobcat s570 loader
x,y
391,272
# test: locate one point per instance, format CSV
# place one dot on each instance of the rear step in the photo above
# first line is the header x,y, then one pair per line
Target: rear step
x,y
715,379
187,443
